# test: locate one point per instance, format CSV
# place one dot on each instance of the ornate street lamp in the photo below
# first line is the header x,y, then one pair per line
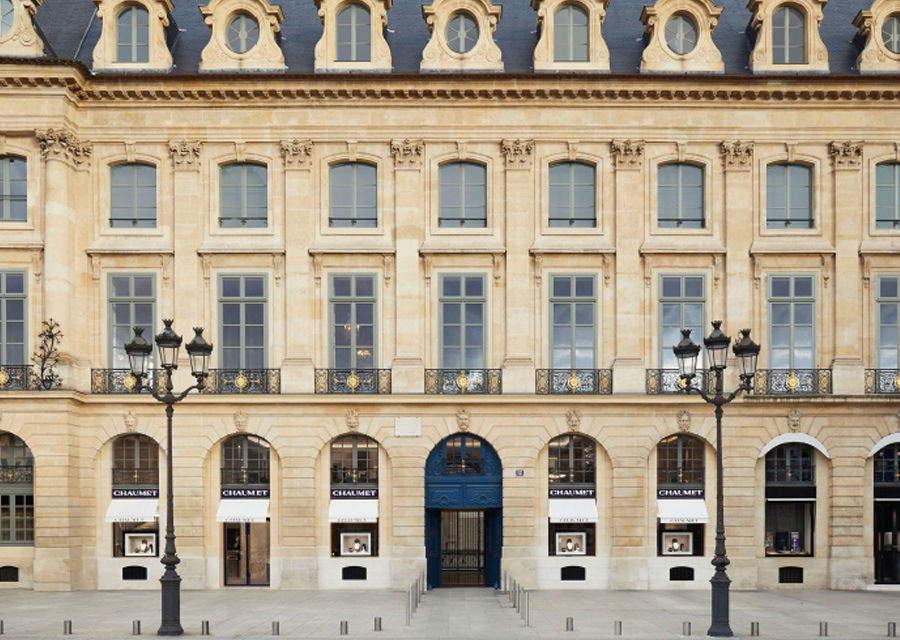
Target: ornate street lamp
x,y
168,343
747,353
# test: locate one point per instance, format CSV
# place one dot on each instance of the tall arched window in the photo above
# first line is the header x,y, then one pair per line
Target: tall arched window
x,y
572,194
13,189
16,491
133,34
570,34
135,461
245,461
463,455
789,196
354,461
887,195
887,515
353,193
462,195
354,34
790,499
788,36
680,196
679,462
244,194
572,460
133,195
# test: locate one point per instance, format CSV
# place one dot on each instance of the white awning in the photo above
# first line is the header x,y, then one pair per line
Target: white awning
x,y
242,510
353,511
573,510
682,511
144,510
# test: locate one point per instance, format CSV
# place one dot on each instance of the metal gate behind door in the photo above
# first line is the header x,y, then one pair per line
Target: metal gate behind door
x,y
462,545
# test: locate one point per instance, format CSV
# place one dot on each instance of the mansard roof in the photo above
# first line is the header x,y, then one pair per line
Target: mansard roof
x,y
70,30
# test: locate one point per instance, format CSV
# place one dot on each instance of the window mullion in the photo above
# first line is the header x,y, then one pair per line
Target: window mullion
x,y
353,217
353,56
134,56
244,210
462,188
787,194
571,188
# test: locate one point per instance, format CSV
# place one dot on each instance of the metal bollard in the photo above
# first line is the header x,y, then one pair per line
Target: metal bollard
x,y
377,624
527,609
276,628
754,629
204,628
135,627
570,624
617,628
823,629
892,629
408,607
67,627
1,627
685,628
523,599
343,627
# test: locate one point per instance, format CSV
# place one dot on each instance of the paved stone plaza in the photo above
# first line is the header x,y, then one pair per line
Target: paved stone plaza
x,y
450,613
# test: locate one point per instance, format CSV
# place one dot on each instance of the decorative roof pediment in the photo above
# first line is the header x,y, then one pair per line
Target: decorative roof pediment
x,y
878,55
815,54
155,56
350,57
462,36
546,58
680,37
17,34
242,36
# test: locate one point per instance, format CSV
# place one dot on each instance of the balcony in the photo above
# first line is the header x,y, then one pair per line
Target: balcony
x,y
463,381
573,381
353,381
792,382
243,381
17,377
670,382
885,381
135,477
115,381
19,474
245,477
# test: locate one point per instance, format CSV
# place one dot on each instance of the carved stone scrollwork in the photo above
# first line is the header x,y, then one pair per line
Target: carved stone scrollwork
x,y
62,144
627,154
737,155
185,153
703,57
463,420
518,153
793,420
297,154
408,154
573,419
265,54
846,155
21,39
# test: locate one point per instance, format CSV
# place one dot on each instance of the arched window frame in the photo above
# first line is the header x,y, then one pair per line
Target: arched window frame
x,y
135,461
572,461
463,455
358,51
791,464
246,460
659,56
785,49
762,58
546,56
446,171
140,208
16,491
266,52
572,189
677,220
876,55
361,452
13,189
357,191
681,462
887,465
484,55
242,219
575,35
787,222
133,37
887,196
138,43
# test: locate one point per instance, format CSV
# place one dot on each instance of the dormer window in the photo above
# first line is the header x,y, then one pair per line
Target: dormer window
x,y
570,34
462,33
461,36
788,40
133,35
680,37
243,33
17,34
880,26
353,42
890,33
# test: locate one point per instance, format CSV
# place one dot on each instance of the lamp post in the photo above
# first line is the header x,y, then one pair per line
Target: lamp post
x,y
747,353
168,342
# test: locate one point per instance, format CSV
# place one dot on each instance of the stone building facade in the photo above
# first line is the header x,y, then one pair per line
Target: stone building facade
x,y
441,304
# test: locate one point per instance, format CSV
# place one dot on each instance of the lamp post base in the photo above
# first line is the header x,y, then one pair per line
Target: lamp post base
x,y
720,627
171,606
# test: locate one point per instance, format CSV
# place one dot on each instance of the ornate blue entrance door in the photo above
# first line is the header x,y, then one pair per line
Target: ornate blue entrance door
x,y
463,474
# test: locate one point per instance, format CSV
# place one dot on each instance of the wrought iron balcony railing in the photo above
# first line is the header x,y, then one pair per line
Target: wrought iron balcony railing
x,y
883,381
245,476
17,377
122,380
244,381
573,381
354,381
792,382
463,381
19,474
135,477
669,381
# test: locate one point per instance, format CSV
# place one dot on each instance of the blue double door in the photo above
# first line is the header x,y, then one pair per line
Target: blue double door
x,y
463,513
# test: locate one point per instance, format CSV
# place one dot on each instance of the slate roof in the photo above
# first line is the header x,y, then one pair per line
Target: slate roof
x,y
71,29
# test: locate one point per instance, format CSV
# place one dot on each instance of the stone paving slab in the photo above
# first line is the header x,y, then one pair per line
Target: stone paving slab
x,y
450,614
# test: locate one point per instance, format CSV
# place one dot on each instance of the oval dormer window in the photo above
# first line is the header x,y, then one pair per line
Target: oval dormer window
x,y
462,33
243,33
